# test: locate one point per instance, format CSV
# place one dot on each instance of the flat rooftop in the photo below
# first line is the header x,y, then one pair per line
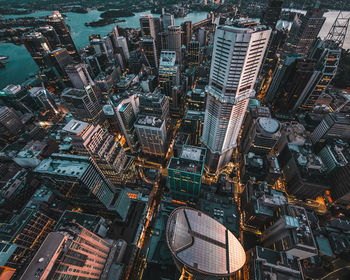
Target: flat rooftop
x,y
75,126
192,152
149,121
69,165
167,58
44,256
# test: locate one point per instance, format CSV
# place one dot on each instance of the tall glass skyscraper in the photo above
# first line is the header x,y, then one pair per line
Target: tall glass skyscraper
x,y
237,57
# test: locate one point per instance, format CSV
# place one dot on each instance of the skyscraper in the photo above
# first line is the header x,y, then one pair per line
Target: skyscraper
x,y
79,181
169,73
122,43
10,124
185,173
167,20
187,29
103,148
174,41
272,13
79,75
37,46
237,56
152,136
150,50
72,252
149,26
193,53
63,31
333,125
126,111
304,32
51,36
58,60
82,103
43,99
289,83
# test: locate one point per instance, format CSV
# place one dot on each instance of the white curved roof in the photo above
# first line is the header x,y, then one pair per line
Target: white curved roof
x,y
202,243
269,125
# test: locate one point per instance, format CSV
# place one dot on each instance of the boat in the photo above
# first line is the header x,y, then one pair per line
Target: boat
x,y
3,57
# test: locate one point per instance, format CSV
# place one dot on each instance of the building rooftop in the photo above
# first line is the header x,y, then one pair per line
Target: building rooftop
x,y
149,121
108,110
93,223
61,164
269,125
75,127
192,152
191,160
276,265
45,256
203,244
73,92
167,58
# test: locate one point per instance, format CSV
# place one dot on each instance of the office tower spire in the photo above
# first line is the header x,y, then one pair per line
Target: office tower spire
x,y
237,56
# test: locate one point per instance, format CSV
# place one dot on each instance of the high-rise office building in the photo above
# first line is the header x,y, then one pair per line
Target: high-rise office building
x,y
193,53
154,104
169,73
10,124
340,191
326,67
71,252
185,173
290,231
187,29
167,20
263,262
122,43
174,41
289,83
126,111
304,172
333,125
16,97
103,148
259,202
196,100
304,32
262,136
149,26
79,181
152,135
58,60
37,46
272,13
237,56
43,99
192,124
63,31
79,75
149,48
82,103
22,236
51,36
